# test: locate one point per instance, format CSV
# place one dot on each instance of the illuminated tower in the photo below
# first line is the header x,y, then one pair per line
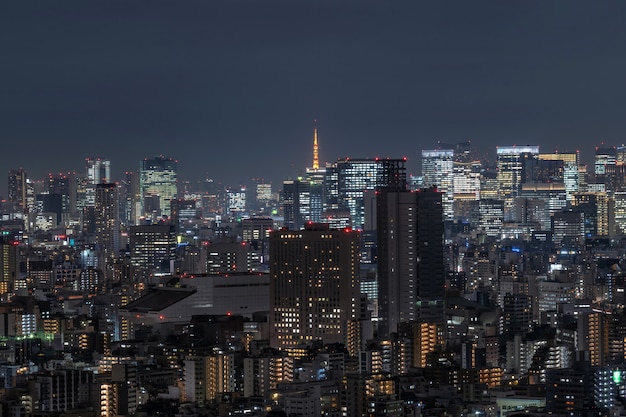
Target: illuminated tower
x,y
314,290
158,179
316,159
315,177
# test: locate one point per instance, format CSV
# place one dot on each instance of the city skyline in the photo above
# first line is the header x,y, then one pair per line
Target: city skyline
x,y
231,89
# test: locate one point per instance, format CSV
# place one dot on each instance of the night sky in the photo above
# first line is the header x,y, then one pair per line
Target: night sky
x,y
231,88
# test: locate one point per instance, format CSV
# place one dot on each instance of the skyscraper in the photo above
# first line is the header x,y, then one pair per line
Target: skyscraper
x,y
411,270
107,221
348,179
158,178
511,171
17,189
296,203
314,291
438,171
152,250
98,171
570,175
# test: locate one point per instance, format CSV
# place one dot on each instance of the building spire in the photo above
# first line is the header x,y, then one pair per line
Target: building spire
x,y
316,159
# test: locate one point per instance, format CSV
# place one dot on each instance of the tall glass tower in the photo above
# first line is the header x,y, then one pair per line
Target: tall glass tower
x,y
438,172
512,163
158,179
98,171
348,179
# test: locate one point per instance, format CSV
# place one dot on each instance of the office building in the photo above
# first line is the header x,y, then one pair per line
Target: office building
x,y
152,251
184,215
17,189
296,204
438,172
512,171
236,202
466,189
598,212
97,171
570,171
314,291
347,180
411,271
158,178
568,227
605,160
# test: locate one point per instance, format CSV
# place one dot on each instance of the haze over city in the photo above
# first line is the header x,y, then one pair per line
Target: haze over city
x,y
230,89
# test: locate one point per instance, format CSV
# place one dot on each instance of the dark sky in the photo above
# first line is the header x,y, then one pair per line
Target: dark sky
x,y
230,88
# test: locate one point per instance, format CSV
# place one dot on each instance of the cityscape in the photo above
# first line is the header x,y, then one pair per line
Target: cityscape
x,y
357,289
312,208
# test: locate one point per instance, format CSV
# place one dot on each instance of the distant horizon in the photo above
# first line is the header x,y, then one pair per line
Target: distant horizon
x,y
232,89
118,173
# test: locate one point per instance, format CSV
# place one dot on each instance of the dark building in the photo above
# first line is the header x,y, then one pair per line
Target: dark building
x,y
411,270
107,222
17,189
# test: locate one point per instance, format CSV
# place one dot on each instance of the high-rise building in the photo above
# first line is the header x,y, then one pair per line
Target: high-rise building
x,y
17,189
570,173
107,221
411,270
438,172
347,180
604,157
236,202
98,171
568,227
183,214
9,267
512,170
158,177
598,212
128,189
152,250
466,188
314,291
296,204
